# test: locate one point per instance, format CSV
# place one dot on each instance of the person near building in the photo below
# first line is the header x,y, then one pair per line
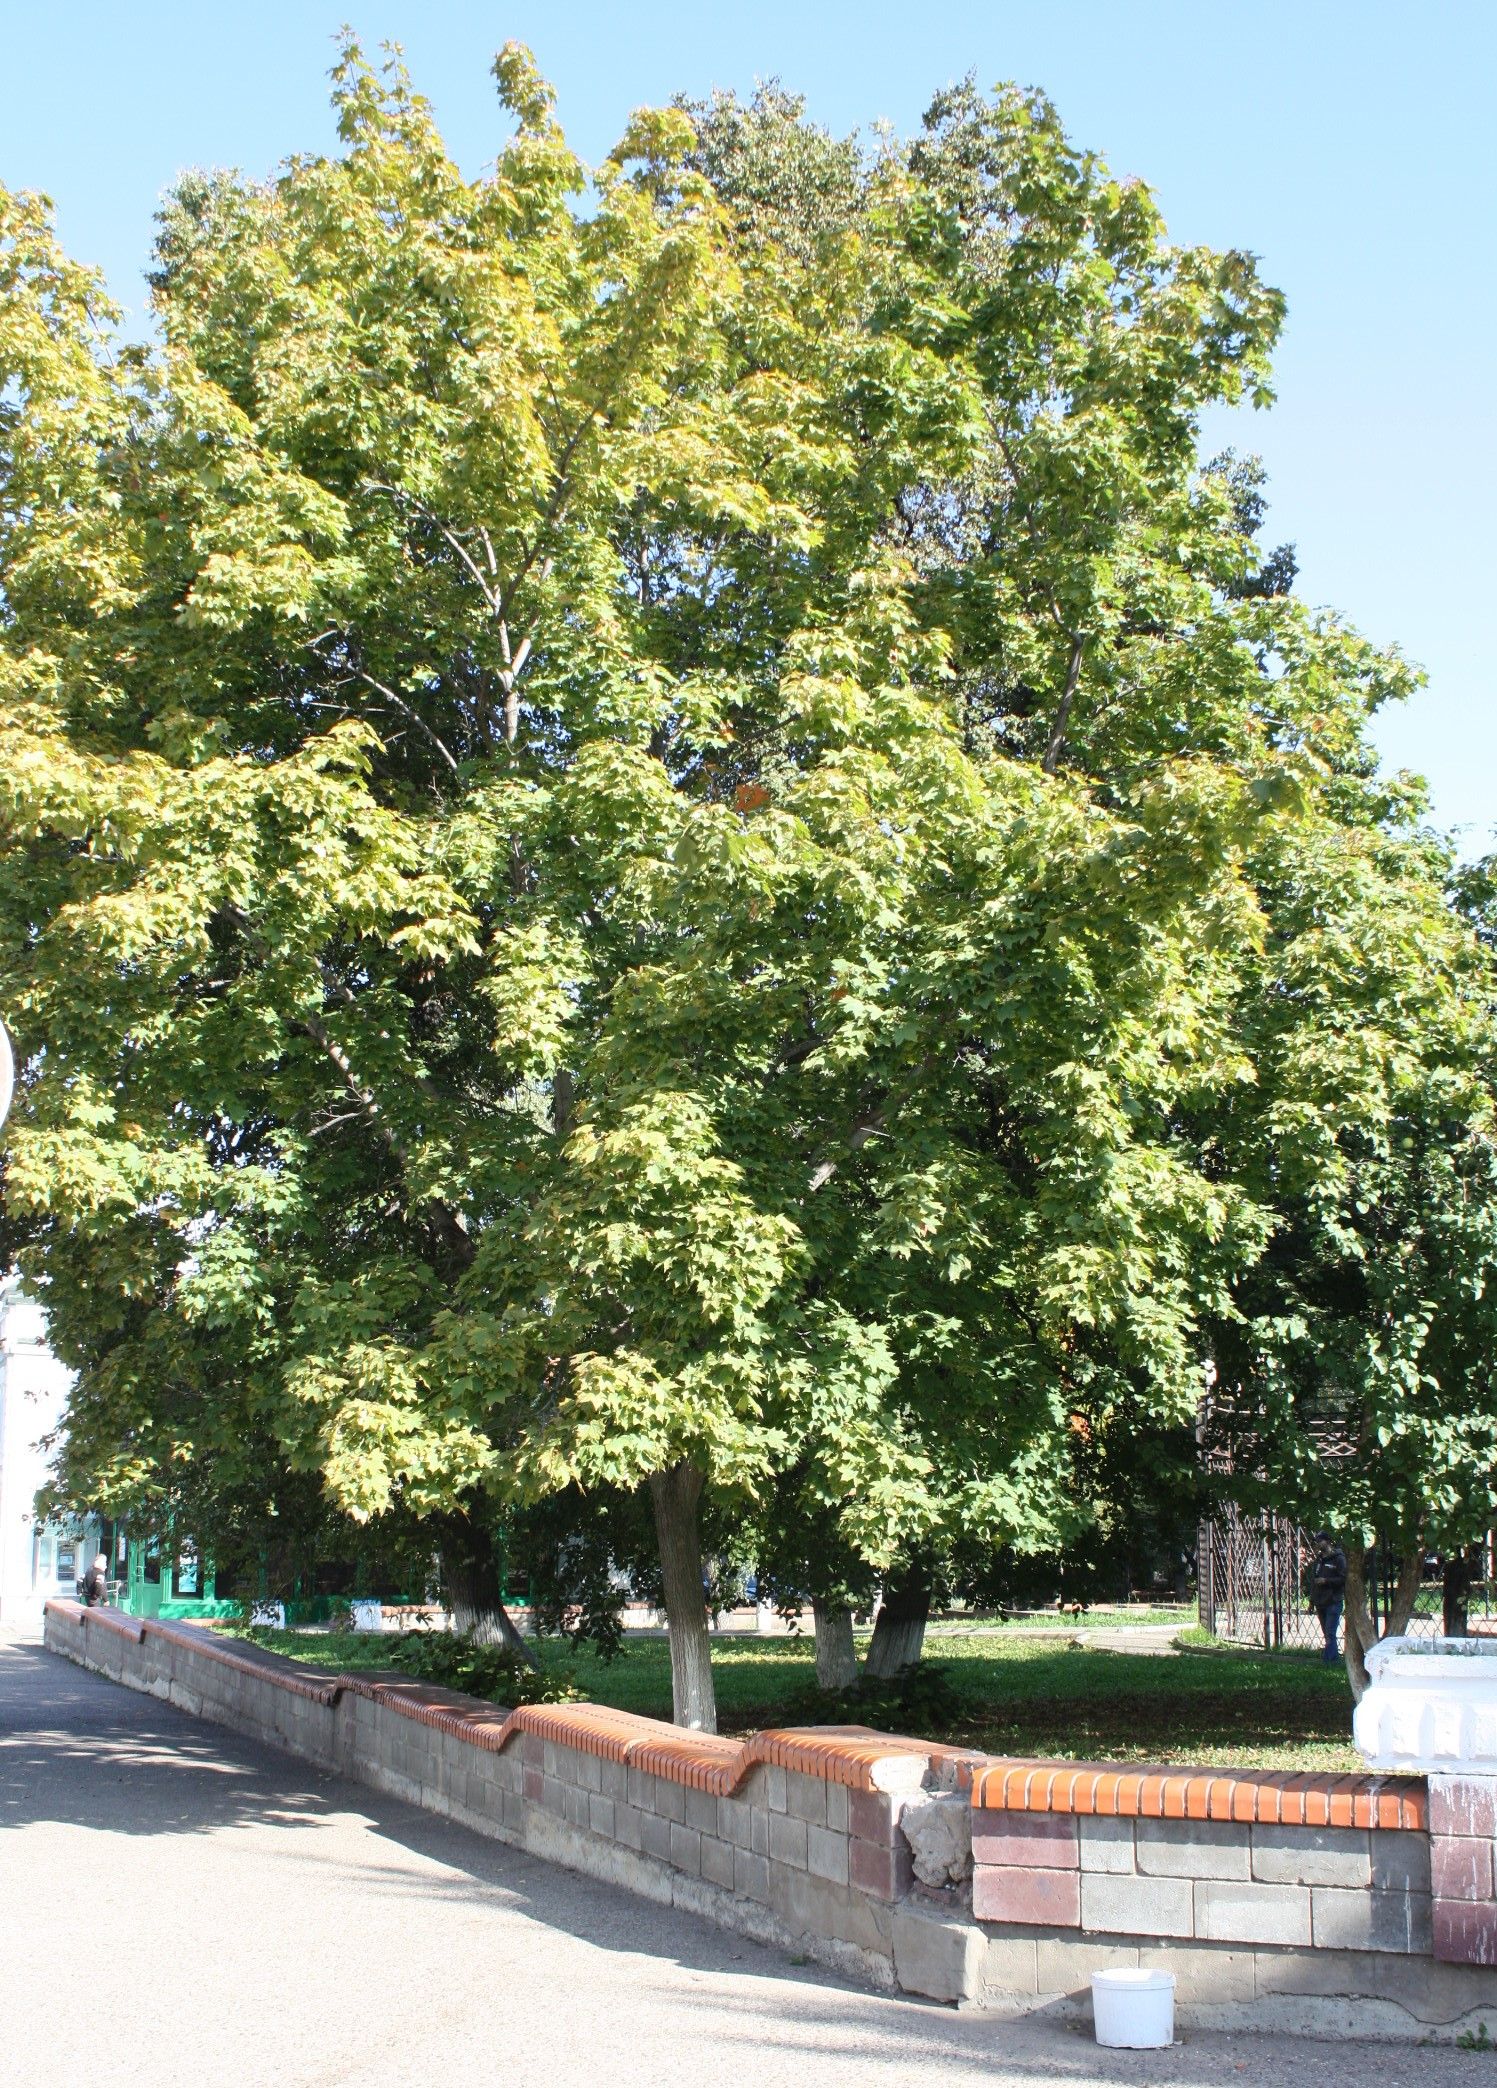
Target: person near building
x,y
96,1582
1328,1590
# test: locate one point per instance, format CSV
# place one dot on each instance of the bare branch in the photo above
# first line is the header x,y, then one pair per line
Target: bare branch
x,y
869,1126
349,1116
390,696
553,510
444,1222
873,1113
792,1055
498,600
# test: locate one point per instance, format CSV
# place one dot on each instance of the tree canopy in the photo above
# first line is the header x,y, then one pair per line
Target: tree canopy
x,y
661,835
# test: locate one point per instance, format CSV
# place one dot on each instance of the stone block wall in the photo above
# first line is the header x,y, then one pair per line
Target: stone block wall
x,y
1293,1877
1328,1905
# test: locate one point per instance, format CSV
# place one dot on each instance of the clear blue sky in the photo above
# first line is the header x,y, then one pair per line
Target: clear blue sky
x,y
1347,144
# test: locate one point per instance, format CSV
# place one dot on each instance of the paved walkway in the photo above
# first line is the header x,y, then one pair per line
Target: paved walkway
x,y
180,1905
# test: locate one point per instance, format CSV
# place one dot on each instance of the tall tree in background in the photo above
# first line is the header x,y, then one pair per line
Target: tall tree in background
x,y
639,841
1112,619
1355,1368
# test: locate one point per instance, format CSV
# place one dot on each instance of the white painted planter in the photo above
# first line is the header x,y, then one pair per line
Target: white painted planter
x,y
1431,1705
1133,2007
272,1614
367,1616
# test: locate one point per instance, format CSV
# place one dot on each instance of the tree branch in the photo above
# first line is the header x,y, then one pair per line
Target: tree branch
x,y
445,1222
550,515
872,1116
383,689
443,529
1063,715
867,1126
312,1026
333,1050
415,716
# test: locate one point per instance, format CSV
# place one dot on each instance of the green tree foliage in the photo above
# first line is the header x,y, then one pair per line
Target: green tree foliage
x,y
646,840
1350,1103
1356,1367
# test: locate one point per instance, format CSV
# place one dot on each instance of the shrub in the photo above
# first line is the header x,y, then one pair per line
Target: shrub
x,y
922,1701
459,1661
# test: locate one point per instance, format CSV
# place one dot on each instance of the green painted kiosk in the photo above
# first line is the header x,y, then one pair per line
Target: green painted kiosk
x,y
156,1584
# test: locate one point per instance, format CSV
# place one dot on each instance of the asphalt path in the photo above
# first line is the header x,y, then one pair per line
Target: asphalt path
x,y
183,1907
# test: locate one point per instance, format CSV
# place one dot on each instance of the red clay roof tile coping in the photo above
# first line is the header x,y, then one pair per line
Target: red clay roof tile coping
x,y
855,1756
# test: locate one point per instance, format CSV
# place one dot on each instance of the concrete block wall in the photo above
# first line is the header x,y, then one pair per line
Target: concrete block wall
x,y
1332,1888
792,1838
1328,1905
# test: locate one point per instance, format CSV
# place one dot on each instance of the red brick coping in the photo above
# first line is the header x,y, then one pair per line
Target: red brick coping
x,y
854,1756
1261,1796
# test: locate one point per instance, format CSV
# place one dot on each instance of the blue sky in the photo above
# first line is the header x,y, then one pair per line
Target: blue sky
x,y
1347,144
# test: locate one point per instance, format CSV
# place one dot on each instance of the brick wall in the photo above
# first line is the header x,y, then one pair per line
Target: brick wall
x,y
1334,1864
1359,1906
1463,1835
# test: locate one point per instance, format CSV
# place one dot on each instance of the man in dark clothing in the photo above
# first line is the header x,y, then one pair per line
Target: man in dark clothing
x,y
1328,1590
96,1582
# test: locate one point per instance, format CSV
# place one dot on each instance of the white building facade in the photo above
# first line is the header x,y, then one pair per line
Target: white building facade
x,y
37,1559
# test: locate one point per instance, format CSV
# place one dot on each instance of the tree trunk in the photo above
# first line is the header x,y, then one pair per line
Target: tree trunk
x,y
471,1582
836,1655
1456,1595
899,1629
1406,1591
676,1494
563,1103
1361,1632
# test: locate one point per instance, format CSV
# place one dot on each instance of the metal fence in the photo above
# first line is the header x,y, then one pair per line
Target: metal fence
x,y
1254,1578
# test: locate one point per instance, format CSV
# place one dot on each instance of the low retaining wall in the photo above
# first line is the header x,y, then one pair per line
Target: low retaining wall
x,y
1296,1901
1301,1903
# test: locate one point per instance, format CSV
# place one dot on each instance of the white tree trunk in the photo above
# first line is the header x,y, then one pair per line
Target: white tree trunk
x,y
490,1624
836,1655
471,1583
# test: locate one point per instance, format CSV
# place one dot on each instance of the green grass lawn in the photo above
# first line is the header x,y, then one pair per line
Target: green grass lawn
x,y
1012,1693
1097,1617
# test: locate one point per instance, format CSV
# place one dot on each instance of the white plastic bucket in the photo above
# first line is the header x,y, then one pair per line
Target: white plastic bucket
x,y
1132,2007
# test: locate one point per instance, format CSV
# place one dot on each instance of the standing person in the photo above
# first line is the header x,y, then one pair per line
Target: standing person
x,y
96,1582
1328,1590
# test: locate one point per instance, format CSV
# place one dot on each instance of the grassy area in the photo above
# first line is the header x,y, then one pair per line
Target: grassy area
x,y
1014,1694
1100,1616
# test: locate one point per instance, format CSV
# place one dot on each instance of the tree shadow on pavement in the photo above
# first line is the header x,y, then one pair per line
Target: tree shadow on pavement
x,y
80,1750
